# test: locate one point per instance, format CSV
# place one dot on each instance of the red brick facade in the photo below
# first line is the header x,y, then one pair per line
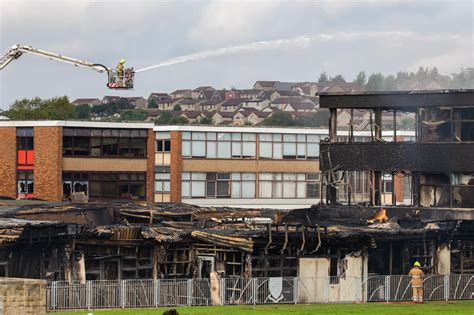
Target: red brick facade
x,y
48,163
150,167
8,162
176,166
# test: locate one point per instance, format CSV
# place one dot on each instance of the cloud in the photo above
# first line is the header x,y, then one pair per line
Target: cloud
x,y
224,22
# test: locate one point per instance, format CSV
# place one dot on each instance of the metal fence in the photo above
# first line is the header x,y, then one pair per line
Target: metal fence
x,y
270,290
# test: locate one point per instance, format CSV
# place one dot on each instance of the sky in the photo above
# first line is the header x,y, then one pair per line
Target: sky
x,y
255,40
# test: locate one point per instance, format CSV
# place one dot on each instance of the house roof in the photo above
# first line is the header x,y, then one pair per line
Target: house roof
x,y
288,100
111,98
193,114
286,93
188,101
208,94
232,102
301,105
85,100
224,114
180,91
132,98
269,84
205,87
260,114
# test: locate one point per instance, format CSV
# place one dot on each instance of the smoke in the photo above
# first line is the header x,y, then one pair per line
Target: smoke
x,y
298,42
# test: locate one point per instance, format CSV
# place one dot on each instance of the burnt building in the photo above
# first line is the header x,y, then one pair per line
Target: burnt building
x,y
436,166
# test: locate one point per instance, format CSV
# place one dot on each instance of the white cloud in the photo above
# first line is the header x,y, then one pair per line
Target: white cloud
x,y
226,22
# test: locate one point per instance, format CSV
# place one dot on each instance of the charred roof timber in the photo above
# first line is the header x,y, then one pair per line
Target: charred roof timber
x,y
403,100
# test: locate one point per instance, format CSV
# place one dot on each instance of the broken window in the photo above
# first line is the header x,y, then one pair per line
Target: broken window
x,y
447,190
25,183
441,124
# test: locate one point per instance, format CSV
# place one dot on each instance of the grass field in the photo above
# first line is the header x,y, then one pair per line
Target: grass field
x,y
461,307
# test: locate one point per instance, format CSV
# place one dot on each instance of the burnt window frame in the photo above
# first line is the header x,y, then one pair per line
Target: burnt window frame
x,y
121,136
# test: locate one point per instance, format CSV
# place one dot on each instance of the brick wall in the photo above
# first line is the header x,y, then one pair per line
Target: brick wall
x,y
176,166
48,163
22,296
8,162
150,167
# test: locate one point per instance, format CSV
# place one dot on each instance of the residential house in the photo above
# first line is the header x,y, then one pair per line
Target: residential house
x,y
136,102
163,101
231,94
306,88
265,85
86,101
188,104
197,91
186,93
110,99
250,94
338,87
220,117
230,105
192,116
281,102
298,106
283,93
208,105
240,118
257,104
256,117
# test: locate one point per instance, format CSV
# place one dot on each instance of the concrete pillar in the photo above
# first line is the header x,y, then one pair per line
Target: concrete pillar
x,y
443,259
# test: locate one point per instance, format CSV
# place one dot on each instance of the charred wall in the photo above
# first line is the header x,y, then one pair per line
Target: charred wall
x,y
393,156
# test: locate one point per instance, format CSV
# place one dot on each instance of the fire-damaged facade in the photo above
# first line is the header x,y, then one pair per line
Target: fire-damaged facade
x,y
342,236
437,167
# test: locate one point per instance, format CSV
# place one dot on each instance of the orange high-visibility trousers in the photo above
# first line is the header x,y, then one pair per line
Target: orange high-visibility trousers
x,y
417,294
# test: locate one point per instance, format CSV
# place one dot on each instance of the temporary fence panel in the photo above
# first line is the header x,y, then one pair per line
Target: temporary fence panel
x,y
262,290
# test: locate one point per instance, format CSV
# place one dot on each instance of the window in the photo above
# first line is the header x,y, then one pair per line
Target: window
x,y
104,142
289,146
218,185
162,180
289,185
25,183
25,146
106,185
163,145
223,145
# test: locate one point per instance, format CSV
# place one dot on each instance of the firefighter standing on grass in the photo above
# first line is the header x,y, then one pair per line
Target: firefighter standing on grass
x,y
416,282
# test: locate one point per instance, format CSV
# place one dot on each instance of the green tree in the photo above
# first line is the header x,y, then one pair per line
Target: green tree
x,y
56,108
163,119
206,121
361,79
390,83
338,78
177,108
375,82
152,103
180,120
279,119
123,103
317,119
134,115
83,111
323,77
104,110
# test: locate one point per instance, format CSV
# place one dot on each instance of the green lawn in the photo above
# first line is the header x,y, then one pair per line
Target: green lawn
x,y
461,307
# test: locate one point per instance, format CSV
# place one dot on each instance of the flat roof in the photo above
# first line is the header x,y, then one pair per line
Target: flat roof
x,y
403,100
286,130
74,123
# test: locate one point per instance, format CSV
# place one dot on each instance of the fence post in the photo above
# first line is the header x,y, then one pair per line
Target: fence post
x,y
156,292
326,289
295,289
387,288
254,290
446,287
189,286
122,293
88,295
54,295
223,290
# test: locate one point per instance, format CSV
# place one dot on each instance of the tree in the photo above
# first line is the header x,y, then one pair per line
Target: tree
x,y
57,108
206,121
390,83
375,82
177,108
323,77
134,115
338,78
152,103
123,103
361,79
180,120
279,119
163,119
83,111
317,119
104,110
